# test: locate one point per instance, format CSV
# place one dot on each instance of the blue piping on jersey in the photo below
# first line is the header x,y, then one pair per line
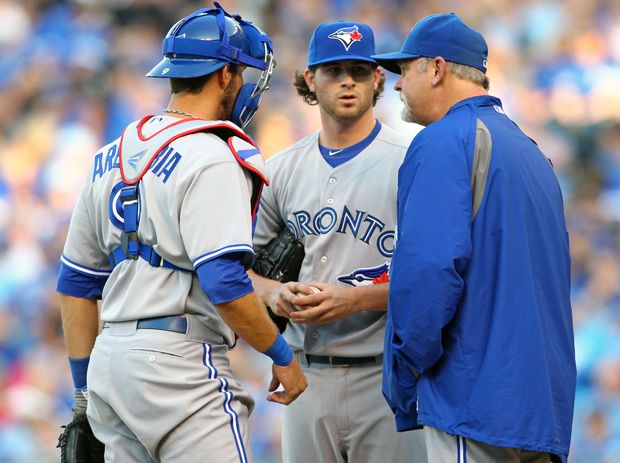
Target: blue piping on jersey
x,y
83,269
226,249
228,396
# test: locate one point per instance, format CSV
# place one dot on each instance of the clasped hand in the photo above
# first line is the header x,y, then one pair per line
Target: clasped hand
x,y
302,304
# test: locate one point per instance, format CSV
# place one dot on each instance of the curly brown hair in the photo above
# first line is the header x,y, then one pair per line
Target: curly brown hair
x,y
310,97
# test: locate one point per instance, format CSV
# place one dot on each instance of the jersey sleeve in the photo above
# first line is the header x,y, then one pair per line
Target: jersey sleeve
x,y
433,247
269,221
84,266
224,279
215,216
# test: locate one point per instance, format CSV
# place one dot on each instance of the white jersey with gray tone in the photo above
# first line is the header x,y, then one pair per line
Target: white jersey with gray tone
x,y
346,218
194,204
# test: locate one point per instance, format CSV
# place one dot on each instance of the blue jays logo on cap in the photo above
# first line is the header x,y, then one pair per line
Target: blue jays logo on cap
x,y
346,36
334,42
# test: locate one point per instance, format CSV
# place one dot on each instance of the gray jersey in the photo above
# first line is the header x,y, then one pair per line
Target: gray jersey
x,y
346,217
194,205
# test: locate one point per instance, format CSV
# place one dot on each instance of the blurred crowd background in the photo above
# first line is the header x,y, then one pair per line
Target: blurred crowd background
x,y
71,77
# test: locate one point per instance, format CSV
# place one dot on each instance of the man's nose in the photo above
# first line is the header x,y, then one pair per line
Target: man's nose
x,y
398,86
347,80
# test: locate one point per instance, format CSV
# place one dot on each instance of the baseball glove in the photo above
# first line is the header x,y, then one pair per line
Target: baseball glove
x,y
280,260
78,444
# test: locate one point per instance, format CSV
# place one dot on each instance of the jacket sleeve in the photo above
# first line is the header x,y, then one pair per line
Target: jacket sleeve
x,y
433,245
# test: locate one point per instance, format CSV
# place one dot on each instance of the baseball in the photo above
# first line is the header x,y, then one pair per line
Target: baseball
x,y
313,289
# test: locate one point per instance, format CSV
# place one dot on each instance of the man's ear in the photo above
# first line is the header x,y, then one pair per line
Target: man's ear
x,y
224,76
377,77
309,78
440,69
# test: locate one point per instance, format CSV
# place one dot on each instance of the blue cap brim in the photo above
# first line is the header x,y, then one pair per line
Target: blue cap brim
x,y
331,59
389,60
185,68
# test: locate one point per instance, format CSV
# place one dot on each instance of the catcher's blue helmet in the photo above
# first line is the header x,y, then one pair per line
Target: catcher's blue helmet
x,y
206,41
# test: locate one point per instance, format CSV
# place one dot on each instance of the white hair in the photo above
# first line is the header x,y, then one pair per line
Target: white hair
x,y
461,71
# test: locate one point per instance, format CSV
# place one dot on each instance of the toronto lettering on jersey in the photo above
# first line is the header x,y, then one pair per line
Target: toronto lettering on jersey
x,y
162,167
361,225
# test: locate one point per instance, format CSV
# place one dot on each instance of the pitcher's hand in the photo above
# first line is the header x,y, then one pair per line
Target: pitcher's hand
x,y
281,297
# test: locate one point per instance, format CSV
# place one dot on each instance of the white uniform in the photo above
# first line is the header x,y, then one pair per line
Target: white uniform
x,y
154,394
346,217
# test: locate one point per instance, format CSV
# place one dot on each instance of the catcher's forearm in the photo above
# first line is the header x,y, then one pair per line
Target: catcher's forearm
x,y
248,318
263,286
80,323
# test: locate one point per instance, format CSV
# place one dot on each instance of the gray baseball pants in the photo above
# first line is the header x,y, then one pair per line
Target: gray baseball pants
x,y
156,396
343,417
443,447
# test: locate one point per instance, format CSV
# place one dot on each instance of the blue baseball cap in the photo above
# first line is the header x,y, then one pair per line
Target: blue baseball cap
x,y
341,41
444,35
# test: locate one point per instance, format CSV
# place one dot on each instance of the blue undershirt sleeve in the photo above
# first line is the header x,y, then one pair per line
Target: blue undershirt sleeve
x,y
224,278
77,284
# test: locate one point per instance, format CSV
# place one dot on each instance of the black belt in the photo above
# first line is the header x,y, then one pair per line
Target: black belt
x,y
342,361
175,323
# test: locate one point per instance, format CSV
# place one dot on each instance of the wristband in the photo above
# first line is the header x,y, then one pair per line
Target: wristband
x,y
79,367
280,352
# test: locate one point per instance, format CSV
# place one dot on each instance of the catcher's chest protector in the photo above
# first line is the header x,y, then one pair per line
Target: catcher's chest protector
x,y
138,152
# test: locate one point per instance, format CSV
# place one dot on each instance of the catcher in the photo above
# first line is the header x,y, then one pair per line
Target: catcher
x,y
162,234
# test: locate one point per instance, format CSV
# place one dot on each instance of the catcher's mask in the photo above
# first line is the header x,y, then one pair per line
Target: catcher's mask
x,y
206,41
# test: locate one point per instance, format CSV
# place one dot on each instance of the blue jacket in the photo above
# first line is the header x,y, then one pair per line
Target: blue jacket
x,y
479,286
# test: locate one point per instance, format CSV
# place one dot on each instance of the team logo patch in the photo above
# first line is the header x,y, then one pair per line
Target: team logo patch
x,y
367,276
116,212
346,36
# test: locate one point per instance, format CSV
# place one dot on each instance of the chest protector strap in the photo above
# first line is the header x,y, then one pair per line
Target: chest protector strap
x,y
138,152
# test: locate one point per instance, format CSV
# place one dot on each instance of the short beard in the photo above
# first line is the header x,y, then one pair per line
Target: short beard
x,y
346,117
228,100
405,114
